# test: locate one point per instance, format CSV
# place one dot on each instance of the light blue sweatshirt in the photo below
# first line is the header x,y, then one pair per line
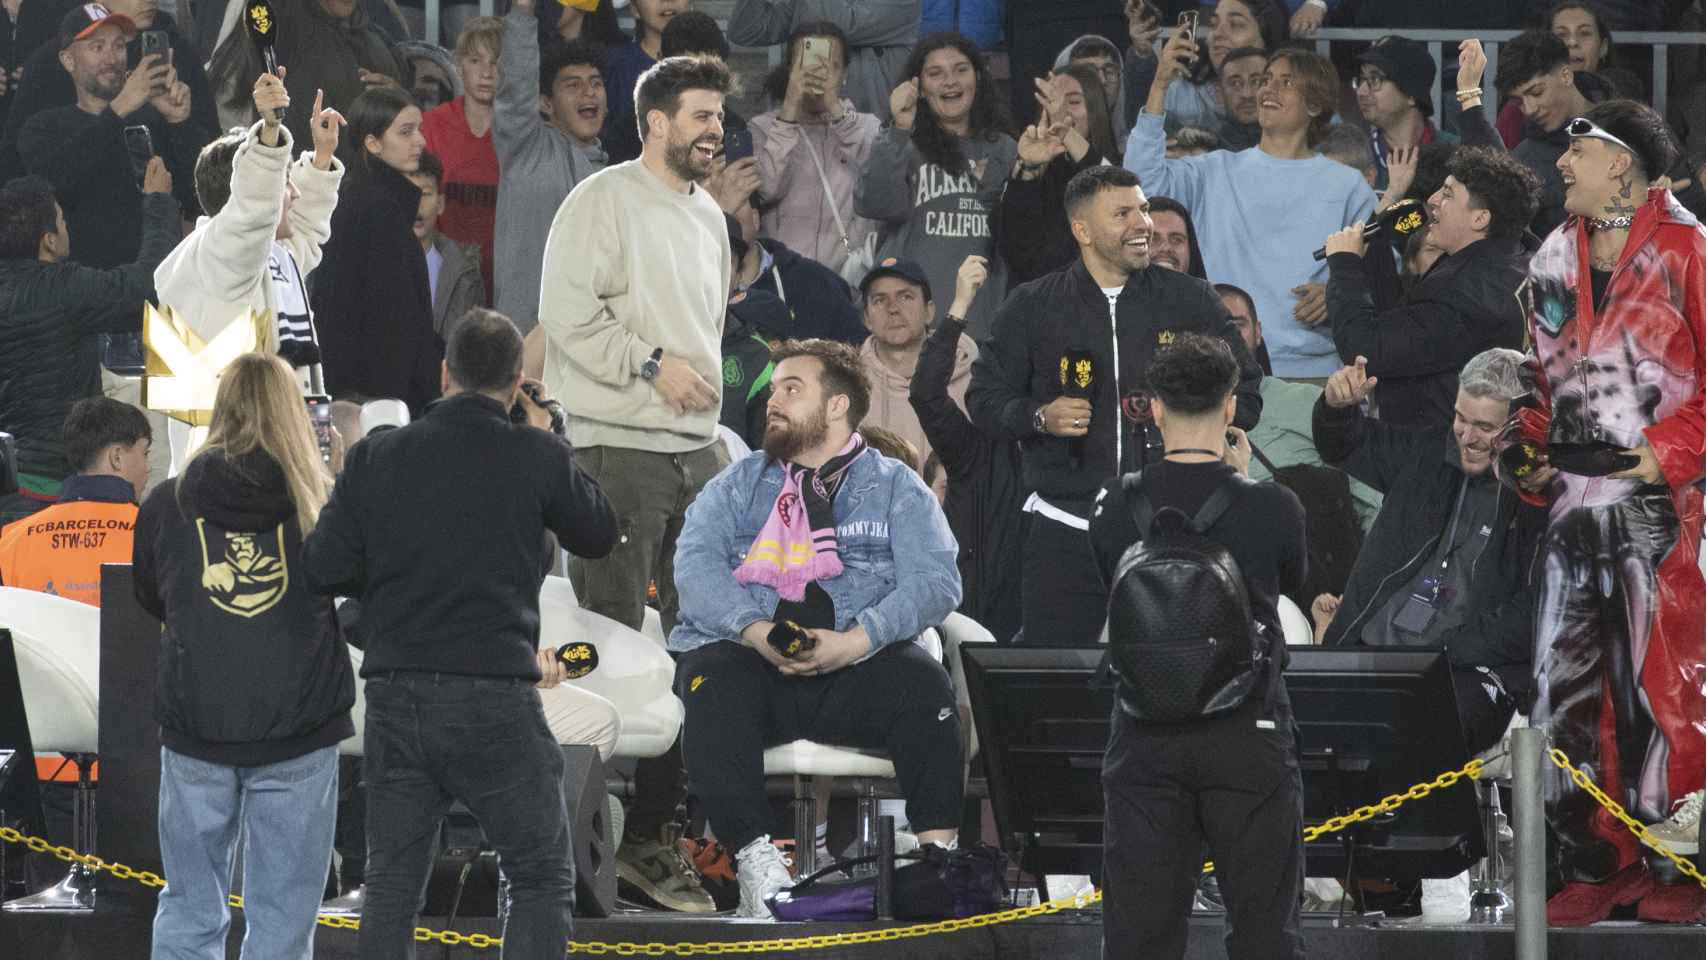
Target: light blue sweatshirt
x,y
1259,219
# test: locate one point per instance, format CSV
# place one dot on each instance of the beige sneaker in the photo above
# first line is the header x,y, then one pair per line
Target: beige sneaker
x,y
656,870
1681,833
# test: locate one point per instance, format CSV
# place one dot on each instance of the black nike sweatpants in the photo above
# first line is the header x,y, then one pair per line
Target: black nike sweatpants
x,y
899,701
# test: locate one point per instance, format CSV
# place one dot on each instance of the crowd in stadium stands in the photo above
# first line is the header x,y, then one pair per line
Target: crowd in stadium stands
x,y
889,283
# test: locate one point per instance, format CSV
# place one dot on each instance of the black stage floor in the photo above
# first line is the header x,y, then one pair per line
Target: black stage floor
x,y
1067,936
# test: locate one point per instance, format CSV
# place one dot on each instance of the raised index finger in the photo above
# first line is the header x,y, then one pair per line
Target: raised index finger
x,y
319,98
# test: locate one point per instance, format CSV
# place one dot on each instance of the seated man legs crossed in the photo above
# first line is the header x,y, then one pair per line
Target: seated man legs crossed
x,y
805,572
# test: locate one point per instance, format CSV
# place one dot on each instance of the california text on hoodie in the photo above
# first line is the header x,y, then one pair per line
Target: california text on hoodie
x,y
633,266
891,405
938,217
253,669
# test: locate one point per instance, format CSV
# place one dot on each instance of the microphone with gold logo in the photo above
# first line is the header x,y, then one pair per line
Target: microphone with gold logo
x,y
579,659
1400,220
262,27
1078,381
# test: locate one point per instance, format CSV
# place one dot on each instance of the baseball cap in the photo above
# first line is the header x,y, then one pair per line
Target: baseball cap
x,y
1407,63
86,18
906,270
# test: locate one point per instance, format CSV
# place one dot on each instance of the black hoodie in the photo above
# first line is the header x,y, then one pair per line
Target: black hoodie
x,y
253,669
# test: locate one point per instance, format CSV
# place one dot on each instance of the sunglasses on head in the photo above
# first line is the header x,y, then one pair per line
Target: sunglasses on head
x,y
1583,127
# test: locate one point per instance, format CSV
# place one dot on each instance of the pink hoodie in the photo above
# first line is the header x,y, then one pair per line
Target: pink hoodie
x,y
890,407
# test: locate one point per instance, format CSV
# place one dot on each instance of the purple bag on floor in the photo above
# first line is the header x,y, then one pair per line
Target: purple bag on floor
x,y
929,884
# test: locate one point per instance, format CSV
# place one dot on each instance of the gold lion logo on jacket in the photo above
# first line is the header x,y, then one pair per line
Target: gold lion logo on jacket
x,y
250,575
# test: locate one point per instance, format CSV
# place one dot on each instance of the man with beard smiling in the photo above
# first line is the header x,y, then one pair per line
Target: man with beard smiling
x,y
816,535
1063,372
1448,561
636,280
81,148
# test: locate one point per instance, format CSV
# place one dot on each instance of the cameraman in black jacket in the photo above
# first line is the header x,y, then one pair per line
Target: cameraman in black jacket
x,y
435,527
1063,374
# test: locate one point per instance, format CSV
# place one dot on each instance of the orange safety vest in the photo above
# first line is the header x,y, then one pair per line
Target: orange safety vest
x,y
60,550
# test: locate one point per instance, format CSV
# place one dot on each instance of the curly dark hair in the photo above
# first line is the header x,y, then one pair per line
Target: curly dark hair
x,y
843,372
1194,374
26,215
1498,184
1433,163
1641,127
989,117
554,56
1530,54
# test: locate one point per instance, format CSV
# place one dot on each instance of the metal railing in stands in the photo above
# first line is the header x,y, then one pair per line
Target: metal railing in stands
x,y
1439,40
1436,40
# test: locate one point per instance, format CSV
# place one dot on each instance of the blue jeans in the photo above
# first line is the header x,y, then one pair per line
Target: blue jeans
x,y
431,740
286,812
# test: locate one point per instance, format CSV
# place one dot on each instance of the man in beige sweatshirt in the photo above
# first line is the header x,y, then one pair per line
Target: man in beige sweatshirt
x,y
636,279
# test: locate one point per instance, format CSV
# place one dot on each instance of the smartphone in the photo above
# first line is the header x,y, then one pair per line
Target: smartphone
x,y
320,415
139,145
816,53
1188,23
147,44
737,145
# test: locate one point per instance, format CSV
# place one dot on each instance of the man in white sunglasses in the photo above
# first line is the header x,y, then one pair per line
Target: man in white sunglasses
x,y
1616,300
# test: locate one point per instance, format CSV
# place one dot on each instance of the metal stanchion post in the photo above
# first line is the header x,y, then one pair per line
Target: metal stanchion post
x,y
1528,750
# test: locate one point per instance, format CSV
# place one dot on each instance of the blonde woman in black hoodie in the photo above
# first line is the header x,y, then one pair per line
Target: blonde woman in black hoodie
x,y
255,686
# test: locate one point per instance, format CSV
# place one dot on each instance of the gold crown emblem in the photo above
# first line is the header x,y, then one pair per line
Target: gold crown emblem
x,y
260,17
1165,338
181,371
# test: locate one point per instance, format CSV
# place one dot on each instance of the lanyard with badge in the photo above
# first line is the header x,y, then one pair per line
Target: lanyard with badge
x,y
1431,594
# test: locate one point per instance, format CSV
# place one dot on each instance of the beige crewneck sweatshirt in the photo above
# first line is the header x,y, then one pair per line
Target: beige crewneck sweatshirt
x,y
632,265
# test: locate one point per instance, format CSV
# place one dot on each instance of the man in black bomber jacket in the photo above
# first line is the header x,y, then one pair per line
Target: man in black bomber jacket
x,y
1062,374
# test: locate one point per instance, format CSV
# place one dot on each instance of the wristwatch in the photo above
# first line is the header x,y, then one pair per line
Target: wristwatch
x,y
1038,422
654,363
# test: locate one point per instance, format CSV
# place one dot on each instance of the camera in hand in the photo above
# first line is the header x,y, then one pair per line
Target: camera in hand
x,y
579,659
536,393
791,640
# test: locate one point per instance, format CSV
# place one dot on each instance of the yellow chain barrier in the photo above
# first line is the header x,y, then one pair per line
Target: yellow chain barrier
x,y
1636,827
481,941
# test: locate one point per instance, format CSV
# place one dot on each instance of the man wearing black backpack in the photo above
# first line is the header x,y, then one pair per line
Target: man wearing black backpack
x,y
1449,560
1203,747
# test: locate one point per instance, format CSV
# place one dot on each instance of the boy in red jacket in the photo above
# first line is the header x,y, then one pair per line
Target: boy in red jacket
x,y
460,134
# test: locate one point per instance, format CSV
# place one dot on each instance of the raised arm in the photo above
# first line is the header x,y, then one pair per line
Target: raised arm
x,y
515,114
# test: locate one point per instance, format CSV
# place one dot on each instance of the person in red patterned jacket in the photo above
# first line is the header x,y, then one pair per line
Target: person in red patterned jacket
x,y
1616,299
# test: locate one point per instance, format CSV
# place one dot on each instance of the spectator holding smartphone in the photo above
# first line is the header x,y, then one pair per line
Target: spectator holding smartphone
x,y
91,150
38,82
812,149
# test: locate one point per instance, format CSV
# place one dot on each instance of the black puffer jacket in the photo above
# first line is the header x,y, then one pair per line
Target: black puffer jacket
x,y
1466,304
1410,467
986,488
49,316
253,669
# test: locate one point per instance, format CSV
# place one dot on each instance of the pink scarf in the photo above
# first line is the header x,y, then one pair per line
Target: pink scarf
x,y
797,545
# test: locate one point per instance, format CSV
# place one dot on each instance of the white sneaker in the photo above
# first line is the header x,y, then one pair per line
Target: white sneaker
x,y
1681,833
762,873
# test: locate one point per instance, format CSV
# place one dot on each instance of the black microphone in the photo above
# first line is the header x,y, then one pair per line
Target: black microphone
x,y
580,658
790,639
263,30
1078,381
1401,219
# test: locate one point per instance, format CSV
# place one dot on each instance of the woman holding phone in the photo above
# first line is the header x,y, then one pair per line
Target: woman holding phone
x,y
371,297
1195,100
255,685
811,149
934,178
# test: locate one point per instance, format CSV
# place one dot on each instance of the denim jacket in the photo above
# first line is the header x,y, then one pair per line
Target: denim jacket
x,y
895,587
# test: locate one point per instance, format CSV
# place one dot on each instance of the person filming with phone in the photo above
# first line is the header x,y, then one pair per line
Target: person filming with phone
x,y
95,151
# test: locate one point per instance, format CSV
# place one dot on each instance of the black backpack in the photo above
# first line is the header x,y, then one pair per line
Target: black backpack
x,y
1181,637
1330,522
